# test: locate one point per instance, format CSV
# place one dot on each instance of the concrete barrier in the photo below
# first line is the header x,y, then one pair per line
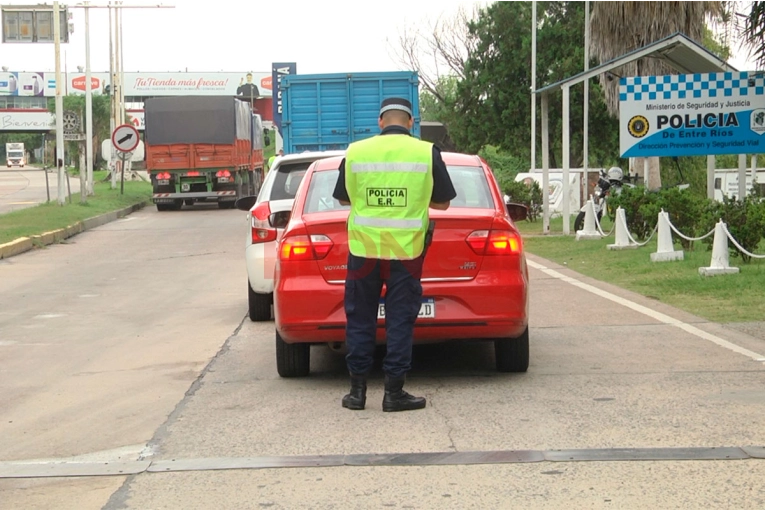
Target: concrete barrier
x,y
56,236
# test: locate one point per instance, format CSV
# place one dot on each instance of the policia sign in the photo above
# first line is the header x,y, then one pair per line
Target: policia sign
x,y
386,197
692,114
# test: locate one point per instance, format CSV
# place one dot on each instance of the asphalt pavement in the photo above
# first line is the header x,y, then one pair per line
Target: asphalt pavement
x,y
128,347
30,186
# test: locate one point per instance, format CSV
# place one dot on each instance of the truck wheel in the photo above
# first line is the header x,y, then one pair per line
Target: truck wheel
x,y
512,354
226,205
292,360
164,207
259,305
189,202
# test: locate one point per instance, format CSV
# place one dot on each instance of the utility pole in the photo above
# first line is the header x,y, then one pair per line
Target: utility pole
x,y
61,198
88,108
533,85
112,104
586,134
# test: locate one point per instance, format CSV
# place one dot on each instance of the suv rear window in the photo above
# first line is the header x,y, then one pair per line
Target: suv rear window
x,y
288,177
469,182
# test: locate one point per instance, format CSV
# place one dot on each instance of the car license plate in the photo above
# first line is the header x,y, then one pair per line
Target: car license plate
x,y
427,309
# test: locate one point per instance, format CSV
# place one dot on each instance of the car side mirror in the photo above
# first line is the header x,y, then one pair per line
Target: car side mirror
x,y
267,140
518,212
246,203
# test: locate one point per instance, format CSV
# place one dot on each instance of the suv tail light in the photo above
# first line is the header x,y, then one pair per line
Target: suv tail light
x,y
296,248
494,242
261,228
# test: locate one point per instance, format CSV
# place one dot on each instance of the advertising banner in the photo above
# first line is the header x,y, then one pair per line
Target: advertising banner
x,y
26,121
279,69
27,84
691,114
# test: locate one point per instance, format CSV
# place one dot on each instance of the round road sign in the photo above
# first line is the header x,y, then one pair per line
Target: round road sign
x,y
125,138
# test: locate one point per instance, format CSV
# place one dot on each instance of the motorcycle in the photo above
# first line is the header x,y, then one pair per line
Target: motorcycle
x,y
609,182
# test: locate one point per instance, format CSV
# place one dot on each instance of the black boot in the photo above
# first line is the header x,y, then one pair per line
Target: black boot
x,y
396,399
357,398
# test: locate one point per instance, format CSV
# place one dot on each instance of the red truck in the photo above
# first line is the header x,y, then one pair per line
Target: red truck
x,y
202,149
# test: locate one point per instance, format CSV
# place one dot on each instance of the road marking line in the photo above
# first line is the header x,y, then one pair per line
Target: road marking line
x,y
666,319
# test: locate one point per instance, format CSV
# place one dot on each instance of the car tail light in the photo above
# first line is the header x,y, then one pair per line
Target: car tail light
x,y
494,242
222,173
297,248
261,229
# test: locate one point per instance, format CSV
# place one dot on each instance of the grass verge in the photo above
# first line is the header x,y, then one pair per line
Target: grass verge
x,y
51,216
725,298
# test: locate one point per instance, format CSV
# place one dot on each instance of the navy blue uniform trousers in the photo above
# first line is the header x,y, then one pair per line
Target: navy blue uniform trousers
x,y
403,296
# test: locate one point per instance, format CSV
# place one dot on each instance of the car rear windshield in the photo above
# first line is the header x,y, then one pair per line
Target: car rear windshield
x,y
288,177
320,193
471,187
469,182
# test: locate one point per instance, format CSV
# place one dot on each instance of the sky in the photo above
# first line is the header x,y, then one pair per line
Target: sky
x,y
327,36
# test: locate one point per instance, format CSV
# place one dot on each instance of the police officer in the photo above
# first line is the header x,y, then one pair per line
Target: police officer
x,y
390,181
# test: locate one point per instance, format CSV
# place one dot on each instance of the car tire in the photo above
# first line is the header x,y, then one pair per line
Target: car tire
x,y
292,360
259,305
512,354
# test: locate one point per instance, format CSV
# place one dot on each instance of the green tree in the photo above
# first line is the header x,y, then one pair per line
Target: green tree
x,y
621,27
101,119
494,99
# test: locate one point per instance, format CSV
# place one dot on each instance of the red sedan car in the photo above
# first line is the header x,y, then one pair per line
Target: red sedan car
x,y
475,279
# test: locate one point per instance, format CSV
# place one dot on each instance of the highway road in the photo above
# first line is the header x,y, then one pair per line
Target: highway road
x,y
130,344
20,188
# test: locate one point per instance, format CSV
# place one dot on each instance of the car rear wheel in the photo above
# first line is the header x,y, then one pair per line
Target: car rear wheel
x,y
292,360
260,305
512,354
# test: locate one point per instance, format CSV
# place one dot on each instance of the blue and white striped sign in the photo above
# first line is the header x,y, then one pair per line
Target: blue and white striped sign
x,y
692,114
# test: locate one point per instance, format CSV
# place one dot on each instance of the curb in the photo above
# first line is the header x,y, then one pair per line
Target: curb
x,y
56,236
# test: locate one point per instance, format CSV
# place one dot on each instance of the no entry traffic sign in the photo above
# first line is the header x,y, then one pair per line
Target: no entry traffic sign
x,y
125,138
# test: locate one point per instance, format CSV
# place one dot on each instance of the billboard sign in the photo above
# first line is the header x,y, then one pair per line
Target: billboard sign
x,y
692,114
27,84
279,69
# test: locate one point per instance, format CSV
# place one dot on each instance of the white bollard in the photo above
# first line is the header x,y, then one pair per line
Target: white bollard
x,y
622,238
665,251
589,231
720,262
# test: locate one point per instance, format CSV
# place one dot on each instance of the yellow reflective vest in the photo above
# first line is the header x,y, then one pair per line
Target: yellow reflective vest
x,y
389,179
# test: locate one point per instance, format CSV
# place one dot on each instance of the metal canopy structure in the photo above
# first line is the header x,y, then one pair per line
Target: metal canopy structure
x,y
677,51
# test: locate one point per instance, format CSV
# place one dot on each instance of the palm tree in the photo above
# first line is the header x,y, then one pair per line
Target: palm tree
x,y
754,32
620,27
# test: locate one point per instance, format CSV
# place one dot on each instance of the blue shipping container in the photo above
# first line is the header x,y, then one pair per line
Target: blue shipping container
x,y
329,111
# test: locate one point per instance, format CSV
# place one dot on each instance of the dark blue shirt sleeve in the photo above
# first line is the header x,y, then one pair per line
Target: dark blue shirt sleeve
x,y
443,189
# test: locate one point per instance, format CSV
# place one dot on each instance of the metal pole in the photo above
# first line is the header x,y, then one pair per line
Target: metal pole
x,y
59,107
711,163
741,176
88,109
122,179
545,166
566,162
112,103
533,85
586,141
